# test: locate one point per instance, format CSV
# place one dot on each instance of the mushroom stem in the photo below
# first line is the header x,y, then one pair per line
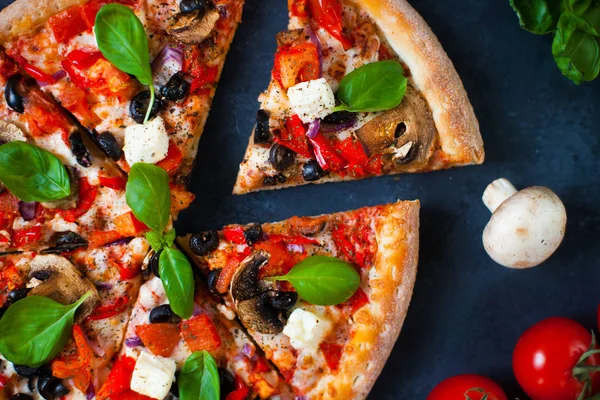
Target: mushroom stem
x,y
496,192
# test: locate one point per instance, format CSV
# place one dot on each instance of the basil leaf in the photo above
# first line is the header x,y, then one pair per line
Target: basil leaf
x,y
33,174
158,241
576,49
178,279
122,39
199,378
322,281
34,330
149,196
373,87
538,16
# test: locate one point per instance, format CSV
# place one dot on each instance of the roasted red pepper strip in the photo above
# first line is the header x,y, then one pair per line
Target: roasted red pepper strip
x,y
67,24
76,365
240,393
112,182
298,8
294,136
84,59
118,379
200,333
358,299
109,310
87,195
23,237
173,159
325,154
328,15
295,64
292,239
101,238
332,353
234,234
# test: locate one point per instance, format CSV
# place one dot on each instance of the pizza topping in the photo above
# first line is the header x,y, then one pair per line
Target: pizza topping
x,y
159,338
76,365
147,143
199,378
200,333
65,284
139,105
195,26
332,353
306,330
296,64
204,243
11,133
11,94
281,157
163,313
167,64
65,242
262,132
176,88
153,376
526,226
311,100
328,15
338,121
109,145
312,171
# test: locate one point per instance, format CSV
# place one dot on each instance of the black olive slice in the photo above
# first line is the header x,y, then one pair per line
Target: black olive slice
x,y
153,264
108,144
274,180
25,371
253,234
21,396
190,6
227,382
12,96
204,243
67,241
163,313
281,157
262,132
339,117
16,295
312,171
139,106
79,150
211,279
177,88
283,301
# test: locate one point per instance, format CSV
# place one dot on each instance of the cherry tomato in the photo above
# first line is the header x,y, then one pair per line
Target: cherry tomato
x,y
545,360
471,387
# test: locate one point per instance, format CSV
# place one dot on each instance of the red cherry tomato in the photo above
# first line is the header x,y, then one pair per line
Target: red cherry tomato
x,y
472,387
545,358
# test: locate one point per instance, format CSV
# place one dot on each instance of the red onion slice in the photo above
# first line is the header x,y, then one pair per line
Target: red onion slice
x,y
318,155
313,128
133,342
166,64
338,127
314,39
27,210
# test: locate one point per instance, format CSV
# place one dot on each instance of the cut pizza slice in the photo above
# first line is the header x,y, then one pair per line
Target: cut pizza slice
x,y
359,88
112,276
95,212
56,44
333,351
157,337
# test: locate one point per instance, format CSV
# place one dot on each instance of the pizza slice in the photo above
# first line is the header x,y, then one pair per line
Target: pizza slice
x,y
323,351
156,335
95,212
358,89
112,275
188,42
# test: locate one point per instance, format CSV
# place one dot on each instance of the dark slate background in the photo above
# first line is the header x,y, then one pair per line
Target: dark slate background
x,y
539,129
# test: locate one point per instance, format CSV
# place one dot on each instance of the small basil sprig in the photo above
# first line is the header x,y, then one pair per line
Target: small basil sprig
x,y
199,378
34,330
149,197
538,16
376,86
321,280
33,174
122,39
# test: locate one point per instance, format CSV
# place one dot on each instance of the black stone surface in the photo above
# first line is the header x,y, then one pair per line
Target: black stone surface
x,y
539,129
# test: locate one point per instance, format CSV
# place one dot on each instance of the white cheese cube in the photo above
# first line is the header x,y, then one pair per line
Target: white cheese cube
x,y
147,143
311,100
153,375
306,330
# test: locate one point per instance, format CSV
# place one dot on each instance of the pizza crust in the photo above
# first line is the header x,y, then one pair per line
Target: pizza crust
x,y
23,15
434,75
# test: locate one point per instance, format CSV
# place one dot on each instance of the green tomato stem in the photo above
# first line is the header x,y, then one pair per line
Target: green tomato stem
x,y
150,105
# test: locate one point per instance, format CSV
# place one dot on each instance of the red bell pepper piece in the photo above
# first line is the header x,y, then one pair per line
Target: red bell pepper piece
x,y
90,10
111,309
199,333
87,195
84,59
232,264
298,8
294,136
76,365
332,353
128,225
234,234
203,76
10,278
173,159
75,100
67,24
118,379
281,261
112,182
355,242
4,380
240,393
293,239
328,15
358,299
159,338
23,237
101,238
295,64
326,155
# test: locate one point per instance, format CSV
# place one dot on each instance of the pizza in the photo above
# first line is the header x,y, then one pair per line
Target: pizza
x,y
323,352
327,114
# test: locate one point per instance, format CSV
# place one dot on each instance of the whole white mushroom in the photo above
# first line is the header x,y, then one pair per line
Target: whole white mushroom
x,y
526,227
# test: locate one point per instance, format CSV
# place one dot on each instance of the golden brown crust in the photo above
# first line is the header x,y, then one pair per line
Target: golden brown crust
x,y
24,15
434,75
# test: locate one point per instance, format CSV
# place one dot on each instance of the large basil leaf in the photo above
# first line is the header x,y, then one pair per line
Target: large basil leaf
x,y
149,196
538,16
178,279
322,281
122,39
34,330
377,86
33,174
199,378
576,48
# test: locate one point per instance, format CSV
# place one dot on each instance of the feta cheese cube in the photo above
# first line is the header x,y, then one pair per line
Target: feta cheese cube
x,y
147,143
153,375
306,330
311,100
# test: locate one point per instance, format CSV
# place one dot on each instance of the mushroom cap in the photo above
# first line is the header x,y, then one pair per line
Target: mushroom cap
x,y
526,229
195,27
65,284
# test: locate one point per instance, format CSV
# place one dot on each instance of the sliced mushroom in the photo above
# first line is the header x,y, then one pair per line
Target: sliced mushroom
x,y
286,38
195,27
405,134
65,284
71,200
11,133
252,297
